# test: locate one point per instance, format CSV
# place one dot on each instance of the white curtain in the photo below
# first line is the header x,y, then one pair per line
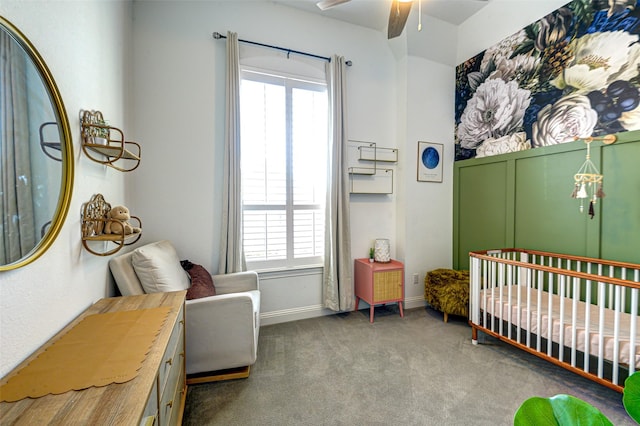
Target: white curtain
x,y
337,291
231,253
16,201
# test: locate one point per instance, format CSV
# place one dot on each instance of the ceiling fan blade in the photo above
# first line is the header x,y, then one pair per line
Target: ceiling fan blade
x,y
398,17
327,4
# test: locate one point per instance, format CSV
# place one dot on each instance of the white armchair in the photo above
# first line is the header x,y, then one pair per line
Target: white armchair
x,y
221,330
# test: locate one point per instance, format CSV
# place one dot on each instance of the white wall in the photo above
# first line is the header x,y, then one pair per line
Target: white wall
x,y
85,46
427,207
179,103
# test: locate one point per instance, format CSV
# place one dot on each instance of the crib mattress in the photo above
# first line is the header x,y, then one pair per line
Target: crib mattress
x,y
526,316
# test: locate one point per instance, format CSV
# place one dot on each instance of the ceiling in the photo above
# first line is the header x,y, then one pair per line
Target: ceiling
x,y
375,13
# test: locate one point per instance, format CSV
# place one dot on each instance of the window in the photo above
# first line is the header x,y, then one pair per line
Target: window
x,y
284,132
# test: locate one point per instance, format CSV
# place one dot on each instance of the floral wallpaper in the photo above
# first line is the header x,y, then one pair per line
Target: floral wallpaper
x,y
573,73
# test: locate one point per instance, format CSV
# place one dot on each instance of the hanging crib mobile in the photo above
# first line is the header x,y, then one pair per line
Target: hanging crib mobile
x,y
588,180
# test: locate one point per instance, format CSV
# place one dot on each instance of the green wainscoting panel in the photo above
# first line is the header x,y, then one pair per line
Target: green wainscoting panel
x,y
523,200
482,210
621,207
546,217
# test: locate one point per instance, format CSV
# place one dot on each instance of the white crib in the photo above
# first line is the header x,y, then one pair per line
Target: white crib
x,y
586,307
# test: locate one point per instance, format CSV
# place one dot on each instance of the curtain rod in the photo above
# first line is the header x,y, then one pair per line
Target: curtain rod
x,y
218,36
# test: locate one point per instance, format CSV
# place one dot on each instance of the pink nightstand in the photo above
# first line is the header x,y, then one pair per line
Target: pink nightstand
x,y
379,283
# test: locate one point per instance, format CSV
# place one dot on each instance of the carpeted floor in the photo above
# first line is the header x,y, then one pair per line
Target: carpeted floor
x,y
417,370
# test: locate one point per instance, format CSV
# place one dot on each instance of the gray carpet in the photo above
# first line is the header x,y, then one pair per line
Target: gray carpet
x,y
342,370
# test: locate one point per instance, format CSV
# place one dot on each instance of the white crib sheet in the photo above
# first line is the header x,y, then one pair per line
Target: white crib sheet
x,y
539,324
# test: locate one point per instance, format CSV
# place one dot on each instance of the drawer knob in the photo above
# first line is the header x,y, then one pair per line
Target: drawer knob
x,y
169,361
170,404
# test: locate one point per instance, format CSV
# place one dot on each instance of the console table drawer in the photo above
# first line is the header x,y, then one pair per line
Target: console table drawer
x,y
174,352
170,403
151,410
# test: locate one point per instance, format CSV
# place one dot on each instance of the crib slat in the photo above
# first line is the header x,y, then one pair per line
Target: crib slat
x,y
633,327
509,308
501,284
616,334
623,275
539,311
611,295
528,311
518,322
635,311
484,285
511,271
550,293
492,268
574,318
561,320
587,322
601,306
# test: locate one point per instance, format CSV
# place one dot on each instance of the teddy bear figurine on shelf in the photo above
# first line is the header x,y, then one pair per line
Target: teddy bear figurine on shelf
x,y
117,221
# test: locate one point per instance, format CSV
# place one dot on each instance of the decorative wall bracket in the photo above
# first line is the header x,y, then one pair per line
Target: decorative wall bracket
x,y
94,221
105,144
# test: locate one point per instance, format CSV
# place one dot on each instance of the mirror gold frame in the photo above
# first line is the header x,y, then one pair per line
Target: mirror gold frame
x,y
66,149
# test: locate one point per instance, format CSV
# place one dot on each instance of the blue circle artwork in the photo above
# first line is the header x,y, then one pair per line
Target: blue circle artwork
x,y
430,158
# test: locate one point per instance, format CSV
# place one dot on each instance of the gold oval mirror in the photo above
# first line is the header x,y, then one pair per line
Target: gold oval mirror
x,y
36,152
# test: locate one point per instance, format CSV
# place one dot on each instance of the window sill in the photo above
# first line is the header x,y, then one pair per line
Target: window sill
x,y
288,271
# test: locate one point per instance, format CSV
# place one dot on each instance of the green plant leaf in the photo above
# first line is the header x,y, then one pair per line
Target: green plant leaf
x,y
631,396
570,410
562,410
535,411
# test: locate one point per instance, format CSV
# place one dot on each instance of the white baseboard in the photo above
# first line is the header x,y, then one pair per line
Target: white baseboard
x,y
294,314
414,302
305,312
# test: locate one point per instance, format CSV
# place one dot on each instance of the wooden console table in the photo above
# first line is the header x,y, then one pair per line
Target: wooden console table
x,y
379,283
155,396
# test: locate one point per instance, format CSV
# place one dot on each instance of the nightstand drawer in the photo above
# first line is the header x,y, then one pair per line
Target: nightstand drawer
x,y
387,286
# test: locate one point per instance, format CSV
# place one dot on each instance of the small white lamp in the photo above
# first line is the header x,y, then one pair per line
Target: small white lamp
x,y
382,250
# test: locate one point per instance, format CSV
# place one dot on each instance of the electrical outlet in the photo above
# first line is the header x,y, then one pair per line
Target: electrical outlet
x,y
415,279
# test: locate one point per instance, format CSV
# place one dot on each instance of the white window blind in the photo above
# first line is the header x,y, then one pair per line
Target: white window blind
x,y
284,122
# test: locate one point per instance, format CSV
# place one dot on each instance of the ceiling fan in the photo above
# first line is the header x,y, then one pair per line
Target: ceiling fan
x,y
397,16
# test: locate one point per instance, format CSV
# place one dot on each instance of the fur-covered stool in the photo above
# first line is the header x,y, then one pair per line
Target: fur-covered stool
x,y
447,291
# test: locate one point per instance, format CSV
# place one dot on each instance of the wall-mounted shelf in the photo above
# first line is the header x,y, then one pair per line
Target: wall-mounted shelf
x,y
378,182
94,221
365,171
365,174
372,152
105,144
